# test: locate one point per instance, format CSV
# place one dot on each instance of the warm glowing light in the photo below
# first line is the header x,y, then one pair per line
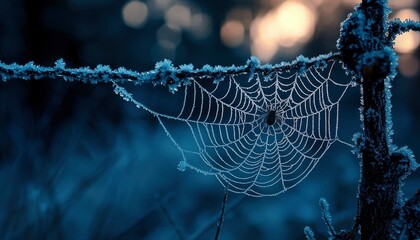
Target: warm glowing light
x,y
407,13
264,49
232,33
134,14
296,23
395,4
408,65
407,42
318,2
402,3
289,25
179,15
351,2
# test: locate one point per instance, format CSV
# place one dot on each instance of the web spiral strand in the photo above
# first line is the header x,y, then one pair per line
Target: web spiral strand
x,y
233,137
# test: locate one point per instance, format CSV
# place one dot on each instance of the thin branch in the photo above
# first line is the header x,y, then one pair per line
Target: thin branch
x,y
222,216
309,234
326,216
199,233
397,27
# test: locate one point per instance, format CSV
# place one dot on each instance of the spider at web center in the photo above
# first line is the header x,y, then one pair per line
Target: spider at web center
x,y
273,115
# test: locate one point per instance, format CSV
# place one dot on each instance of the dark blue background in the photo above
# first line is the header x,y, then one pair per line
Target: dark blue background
x,y
78,162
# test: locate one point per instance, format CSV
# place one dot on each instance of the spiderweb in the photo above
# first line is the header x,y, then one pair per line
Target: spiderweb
x,y
259,135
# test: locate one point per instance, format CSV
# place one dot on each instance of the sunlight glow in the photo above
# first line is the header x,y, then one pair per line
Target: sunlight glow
x,y
395,4
407,42
232,33
351,2
134,14
402,3
289,25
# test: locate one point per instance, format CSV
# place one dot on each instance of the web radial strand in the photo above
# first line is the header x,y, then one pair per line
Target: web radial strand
x,y
222,128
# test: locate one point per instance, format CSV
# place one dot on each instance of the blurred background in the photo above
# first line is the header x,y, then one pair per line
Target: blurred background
x,y
78,162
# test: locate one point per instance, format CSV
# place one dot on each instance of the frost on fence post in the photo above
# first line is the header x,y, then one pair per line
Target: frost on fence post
x,y
366,45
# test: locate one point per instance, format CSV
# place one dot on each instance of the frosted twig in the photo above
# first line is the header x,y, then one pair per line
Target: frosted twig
x,y
326,216
309,234
397,27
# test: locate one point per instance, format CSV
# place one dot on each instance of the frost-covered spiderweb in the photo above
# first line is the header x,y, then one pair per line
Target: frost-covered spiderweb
x,y
259,135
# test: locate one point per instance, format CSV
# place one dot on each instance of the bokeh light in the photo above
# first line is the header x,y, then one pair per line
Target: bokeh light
x,y
179,15
398,4
232,33
289,25
395,4
135,14
407,42
351,2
